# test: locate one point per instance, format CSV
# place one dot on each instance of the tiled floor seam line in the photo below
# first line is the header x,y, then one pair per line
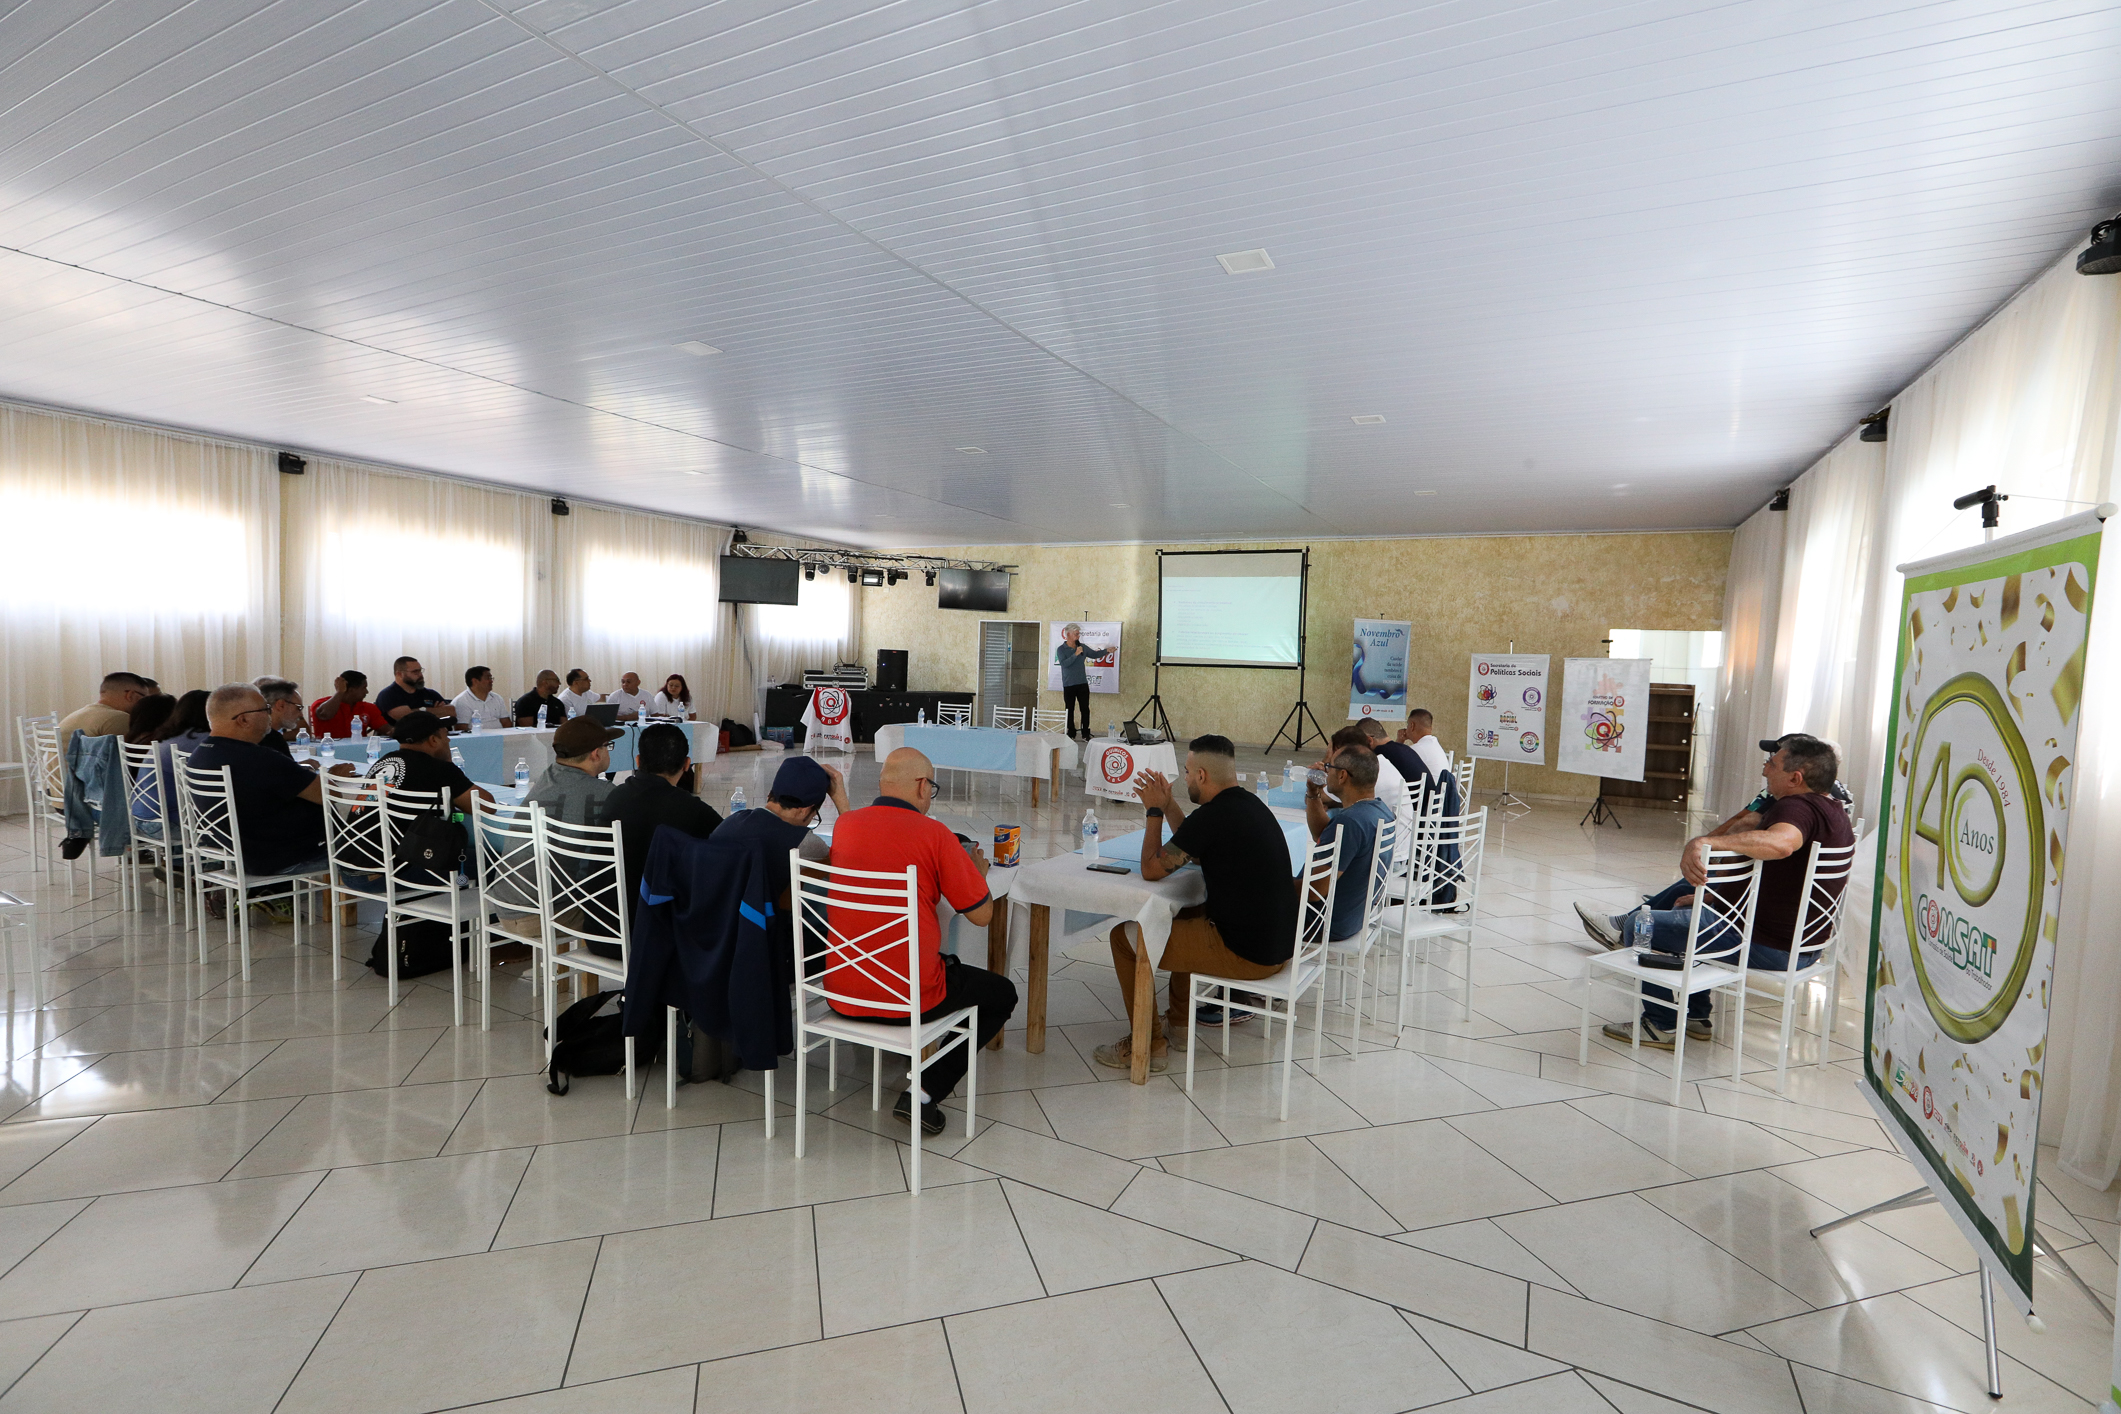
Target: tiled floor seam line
x,y
322,1331
949,1353
1213,1383
1132,1179
78,1317
517,1191
575,1335
484,1081
1628,1384
95,1061
307,1199
54,1154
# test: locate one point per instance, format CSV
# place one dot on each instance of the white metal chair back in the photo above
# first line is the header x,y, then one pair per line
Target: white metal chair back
x,y
584,887
504,845
1414,868
1442,896
860,928
1049,719
1384,852
144,801
1376,882
1464,770
214,840
1814,953
413,895
954,715
356,851
1010,718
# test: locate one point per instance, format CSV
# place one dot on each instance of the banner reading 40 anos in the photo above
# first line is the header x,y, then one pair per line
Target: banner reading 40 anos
x,y
1978,787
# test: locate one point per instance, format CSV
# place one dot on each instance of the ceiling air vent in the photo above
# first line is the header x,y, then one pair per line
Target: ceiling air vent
x,y
1245,262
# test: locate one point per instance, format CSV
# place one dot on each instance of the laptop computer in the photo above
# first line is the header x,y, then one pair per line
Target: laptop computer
x,y
1131,732
604,714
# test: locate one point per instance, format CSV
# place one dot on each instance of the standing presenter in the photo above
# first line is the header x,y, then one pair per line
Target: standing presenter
x,y
1074,660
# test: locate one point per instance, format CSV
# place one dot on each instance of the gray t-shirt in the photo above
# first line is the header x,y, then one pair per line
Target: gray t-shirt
x,y
571,795
1074,664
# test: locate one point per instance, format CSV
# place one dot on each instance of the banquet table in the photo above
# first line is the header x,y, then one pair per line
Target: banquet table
x,y
492,756
1066,881
1039,755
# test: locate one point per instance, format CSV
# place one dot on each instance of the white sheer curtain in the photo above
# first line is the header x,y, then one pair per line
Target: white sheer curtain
x,y
381,564
641,592
128,549
817,632
2027,402
1752,594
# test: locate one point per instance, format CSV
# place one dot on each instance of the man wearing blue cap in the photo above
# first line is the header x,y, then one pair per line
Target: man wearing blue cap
x,y
650,797
800,789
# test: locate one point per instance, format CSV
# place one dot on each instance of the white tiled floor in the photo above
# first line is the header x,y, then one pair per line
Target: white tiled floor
x,y
290,1195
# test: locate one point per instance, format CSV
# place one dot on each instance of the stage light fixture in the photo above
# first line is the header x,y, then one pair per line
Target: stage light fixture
x,y
854,576
872,579
810,572
2103,255
931,579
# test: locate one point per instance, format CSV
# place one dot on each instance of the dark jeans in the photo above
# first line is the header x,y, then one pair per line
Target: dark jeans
x,y
1669,935
1071,699
993,999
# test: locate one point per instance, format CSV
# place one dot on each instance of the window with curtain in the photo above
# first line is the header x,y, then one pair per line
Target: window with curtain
x,y
129,549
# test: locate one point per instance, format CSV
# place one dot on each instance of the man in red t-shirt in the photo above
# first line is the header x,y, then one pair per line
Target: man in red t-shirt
x,y
336,714
885,838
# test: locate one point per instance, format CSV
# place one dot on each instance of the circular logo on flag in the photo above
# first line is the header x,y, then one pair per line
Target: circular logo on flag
x,y
831,706
1528,742
1117,764
1482,669
1532,697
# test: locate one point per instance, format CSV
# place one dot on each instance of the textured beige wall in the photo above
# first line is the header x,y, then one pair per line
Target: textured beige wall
x,y
1555,594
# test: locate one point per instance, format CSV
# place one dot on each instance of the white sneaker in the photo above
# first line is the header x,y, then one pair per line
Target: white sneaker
x,y
1600,926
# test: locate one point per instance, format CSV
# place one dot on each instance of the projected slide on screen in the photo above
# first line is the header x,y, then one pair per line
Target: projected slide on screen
x,y
1231,610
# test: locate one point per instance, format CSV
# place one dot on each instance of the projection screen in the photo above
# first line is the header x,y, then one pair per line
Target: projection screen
x,y
1222,609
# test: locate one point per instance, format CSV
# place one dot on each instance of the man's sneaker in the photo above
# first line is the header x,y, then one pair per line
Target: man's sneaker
x,y
1600,926
1120,1056
277,910
1213,1016
931,1113
1698,1029
1655,1037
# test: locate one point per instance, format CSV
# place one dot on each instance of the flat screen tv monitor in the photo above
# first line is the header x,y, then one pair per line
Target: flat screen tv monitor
x,y
747,581
984,590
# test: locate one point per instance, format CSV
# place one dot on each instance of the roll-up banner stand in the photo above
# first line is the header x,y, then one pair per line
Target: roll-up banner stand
x,y
1101,638
1377,686
1506,707
1605,714
1979,785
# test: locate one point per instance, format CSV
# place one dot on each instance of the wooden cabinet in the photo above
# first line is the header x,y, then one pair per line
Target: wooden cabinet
x,y
1668,769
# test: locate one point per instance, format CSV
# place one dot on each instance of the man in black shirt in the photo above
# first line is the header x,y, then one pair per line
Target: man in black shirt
x,y
650,797
279,805
285,700
422,761
547,695
1247,929
409,692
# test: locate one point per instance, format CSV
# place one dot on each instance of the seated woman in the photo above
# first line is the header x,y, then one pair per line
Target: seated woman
x,y
675,700
184,729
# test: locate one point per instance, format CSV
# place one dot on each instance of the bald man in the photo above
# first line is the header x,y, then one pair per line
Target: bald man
x,y
279,804
885,837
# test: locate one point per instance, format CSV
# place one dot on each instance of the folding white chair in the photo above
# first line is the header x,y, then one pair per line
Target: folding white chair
x,y
146,803
852,925
1815,956
357,851
1009,718
48,805
1049,719
1719,931
216,847
1279,994
1443,894
505,849
1352,955
954,715
582,887
427,900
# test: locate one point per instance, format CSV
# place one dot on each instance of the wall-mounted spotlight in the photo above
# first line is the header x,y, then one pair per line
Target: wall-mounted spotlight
x,y
1874,426
810,572
1781,501
930,577
559,506
872,579
2103,255
854,576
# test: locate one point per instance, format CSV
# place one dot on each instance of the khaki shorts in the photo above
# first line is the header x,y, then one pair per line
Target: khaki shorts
x,y
1197,946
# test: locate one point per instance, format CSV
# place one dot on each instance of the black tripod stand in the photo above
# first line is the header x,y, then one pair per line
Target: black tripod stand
x,y
1601,814
1154,708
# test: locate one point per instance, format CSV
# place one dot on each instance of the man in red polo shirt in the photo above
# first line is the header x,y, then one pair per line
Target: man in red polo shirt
x,y
884,838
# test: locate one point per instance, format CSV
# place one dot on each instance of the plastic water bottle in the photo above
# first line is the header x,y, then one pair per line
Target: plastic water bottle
x,y
1641,928
920,716
375,747
522,778
541,716
457,756
478,720
736,800
302,745
356,733
1112,731
1090,834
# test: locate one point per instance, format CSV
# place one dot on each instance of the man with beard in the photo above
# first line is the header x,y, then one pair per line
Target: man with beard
x,y
409,692
1247,928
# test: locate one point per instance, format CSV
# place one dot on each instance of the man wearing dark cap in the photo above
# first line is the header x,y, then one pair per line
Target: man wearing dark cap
x,y
422,761
573,787
1801,811
650,797
800,789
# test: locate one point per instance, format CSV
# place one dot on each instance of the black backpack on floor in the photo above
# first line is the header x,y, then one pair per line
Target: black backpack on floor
x,y
589,1038
423,947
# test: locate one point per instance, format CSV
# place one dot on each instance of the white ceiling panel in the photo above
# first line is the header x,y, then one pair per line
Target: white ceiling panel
x,y
1626,266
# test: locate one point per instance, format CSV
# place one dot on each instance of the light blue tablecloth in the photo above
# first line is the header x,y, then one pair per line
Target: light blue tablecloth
x,y
965,748
491,756
1127,849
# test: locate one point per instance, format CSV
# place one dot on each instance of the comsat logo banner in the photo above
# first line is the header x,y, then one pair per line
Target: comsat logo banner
x,y
1971,857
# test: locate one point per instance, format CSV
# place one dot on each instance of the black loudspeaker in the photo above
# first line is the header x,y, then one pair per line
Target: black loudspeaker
x,y
890,670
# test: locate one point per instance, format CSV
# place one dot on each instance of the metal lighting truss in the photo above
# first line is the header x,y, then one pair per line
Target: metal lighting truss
x,y
816,557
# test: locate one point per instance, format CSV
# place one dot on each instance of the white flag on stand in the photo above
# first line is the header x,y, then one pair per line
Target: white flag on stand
x,y
829,720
